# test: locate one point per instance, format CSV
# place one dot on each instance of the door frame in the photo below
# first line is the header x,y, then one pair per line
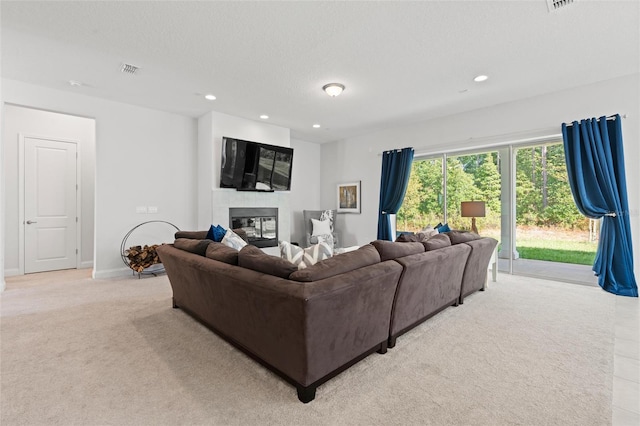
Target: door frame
x,y
21,196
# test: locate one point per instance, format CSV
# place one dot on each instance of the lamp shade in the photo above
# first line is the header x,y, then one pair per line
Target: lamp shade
x,y
472,209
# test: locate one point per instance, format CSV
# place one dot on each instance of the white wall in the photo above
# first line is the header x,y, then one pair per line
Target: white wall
x,y
2,186
31,122
213,201
358,158
144,157
305,185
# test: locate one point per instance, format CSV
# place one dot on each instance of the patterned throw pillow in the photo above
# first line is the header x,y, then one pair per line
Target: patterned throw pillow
x,y
233,240
328,215
326,238
303,258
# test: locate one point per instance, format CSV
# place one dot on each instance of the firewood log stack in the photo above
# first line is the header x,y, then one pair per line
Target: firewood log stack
x,y
142,257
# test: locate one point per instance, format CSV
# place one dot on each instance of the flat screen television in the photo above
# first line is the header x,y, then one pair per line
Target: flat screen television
x,y
253,166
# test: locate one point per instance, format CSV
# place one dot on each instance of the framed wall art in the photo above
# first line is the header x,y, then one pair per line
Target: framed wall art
x,y
349,197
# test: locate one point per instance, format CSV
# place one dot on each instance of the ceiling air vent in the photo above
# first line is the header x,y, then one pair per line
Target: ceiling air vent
x,y
554,5
129,69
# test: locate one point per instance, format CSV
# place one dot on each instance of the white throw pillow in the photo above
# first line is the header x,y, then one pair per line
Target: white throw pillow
x,y
320,227
303,258
233,240
428,231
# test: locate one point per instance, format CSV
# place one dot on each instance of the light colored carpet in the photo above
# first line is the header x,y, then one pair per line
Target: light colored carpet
x,y
81,351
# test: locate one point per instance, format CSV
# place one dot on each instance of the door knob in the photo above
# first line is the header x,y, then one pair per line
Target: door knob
x,y
29,222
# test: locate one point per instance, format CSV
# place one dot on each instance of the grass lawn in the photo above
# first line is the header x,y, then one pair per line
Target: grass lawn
x,y
555,246
557,250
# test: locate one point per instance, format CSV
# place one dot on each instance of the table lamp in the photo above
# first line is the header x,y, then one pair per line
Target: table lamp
x,y
472,209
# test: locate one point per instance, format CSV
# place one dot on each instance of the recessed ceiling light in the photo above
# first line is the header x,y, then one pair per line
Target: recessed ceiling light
x,y
264,116
480,78
75,83
316,126
210,97
333,89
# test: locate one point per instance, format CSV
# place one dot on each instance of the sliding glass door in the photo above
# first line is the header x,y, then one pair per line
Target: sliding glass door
x,y
529,208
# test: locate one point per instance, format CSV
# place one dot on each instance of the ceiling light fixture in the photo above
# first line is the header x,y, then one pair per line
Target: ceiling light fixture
x,y
480,78
264,116
210,97
333,89
316,126
75,83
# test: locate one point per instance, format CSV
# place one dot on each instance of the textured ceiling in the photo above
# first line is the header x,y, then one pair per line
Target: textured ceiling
x,y
401,62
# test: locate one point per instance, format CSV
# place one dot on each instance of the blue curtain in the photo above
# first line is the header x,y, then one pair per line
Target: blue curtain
x,y
396,169
595,163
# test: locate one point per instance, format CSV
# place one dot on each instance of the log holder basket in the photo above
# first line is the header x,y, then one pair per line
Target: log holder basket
x,y
154,269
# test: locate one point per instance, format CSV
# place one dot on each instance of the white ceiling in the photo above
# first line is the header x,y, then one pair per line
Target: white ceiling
x,y
401,62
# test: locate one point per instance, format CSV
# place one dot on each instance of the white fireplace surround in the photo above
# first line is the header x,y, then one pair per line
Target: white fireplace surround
x,y
222,199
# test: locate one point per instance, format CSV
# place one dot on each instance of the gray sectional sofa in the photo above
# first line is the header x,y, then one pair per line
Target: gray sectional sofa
x,y
309,325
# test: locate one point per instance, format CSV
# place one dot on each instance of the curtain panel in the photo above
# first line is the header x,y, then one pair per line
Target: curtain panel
x,y
396,169
595,164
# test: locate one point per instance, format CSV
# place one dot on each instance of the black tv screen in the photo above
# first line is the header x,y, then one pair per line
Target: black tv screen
x,y
253,166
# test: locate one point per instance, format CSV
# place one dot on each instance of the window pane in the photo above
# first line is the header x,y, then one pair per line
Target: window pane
x,y
423,203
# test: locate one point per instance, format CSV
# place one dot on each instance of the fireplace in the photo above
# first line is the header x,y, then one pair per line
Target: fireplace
x,y
260,224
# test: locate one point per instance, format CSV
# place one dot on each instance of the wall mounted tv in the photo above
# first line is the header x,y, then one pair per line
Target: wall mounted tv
x,y
253,166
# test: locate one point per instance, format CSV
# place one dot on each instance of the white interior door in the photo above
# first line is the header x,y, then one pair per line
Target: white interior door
x,y
50,192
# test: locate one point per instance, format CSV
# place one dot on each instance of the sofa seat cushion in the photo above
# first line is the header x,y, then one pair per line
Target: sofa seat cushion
x,y
364,256
389,250
305,257
436,242
192,246
251,257
222,253
458,237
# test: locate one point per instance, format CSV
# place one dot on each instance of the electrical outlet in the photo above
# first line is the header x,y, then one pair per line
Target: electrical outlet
x,y
152,209
141,209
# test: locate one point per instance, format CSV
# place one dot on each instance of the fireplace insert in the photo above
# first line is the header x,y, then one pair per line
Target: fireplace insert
x,y
260,224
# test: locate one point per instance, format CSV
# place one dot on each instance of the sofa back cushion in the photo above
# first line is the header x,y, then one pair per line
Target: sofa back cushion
x,y
389,250
201,235
338,264
251,257
458,237
222,253
192,246
411,238
192,235
436,242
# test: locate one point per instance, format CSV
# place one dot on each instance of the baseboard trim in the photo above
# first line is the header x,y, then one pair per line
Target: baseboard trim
x,y
12,272
111,273
86,265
